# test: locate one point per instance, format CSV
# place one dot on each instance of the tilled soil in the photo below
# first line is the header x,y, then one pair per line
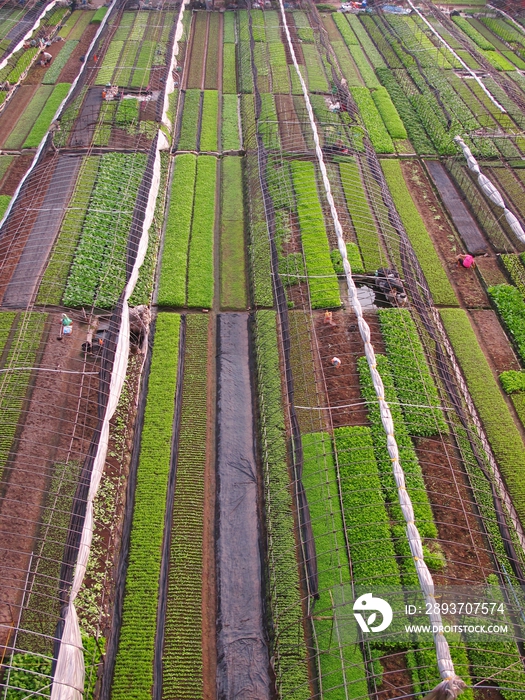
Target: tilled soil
x,y
459,529
342,384
15,173
14,109
289,127
73,66
493,340
465,282
56,397
397,681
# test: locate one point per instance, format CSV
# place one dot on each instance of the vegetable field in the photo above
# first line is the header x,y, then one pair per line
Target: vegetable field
x,y
263,211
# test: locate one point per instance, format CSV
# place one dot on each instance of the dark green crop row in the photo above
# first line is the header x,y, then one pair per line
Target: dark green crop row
x,y
314,67
511,307
472,33
501,431
232,257
97,276
45,118
229,74
516,271
288,643
214,53
389,113
412,123
366,42
340,658
200,261
377,131
366,70
133,676
210,115
57,270
229,28
190,121
414,384
324,288
230,139
362,218
409,463
172,284
279,68
182,654
268,124
512,381
436,277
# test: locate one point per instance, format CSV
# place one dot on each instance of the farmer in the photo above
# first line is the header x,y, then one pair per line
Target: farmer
x,y
328,320
66,326
46,58
465,260
335,362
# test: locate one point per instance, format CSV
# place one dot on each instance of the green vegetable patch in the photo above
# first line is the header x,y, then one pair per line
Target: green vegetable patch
x,y
233,272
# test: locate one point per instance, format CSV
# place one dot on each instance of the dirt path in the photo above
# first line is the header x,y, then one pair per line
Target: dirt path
x,y
12,113
465,282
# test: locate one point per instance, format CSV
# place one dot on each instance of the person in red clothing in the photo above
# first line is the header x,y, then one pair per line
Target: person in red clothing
x,y
465,260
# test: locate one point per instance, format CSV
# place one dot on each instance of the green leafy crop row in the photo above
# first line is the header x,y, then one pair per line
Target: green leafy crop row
x,y
389,113
414,384
436,276
377,131
109,62
55,275
366,42
172,285
98,272
501,431
60,61
367,72
288,643
511,307
229,72
230,139
190,121
512,381
340,656
133,675
182,653
362,218
516,270
210,113
45,118
233,273
316,76
27,119
469,30
324,288
408,459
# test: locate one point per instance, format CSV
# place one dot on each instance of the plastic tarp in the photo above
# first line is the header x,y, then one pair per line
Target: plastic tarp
x,y
451,684
29,33
68,683
243,661
490,190
170,83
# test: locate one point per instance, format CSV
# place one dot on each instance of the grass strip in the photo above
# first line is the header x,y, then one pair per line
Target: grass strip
x,y
377,131
210,115
29,116
288,645
45,118
4,203
435,275
200,262
55,276
414,384
182,653
324,288
190,121
490,404
233,272
230,139
133,676
362,218
341,661
172,284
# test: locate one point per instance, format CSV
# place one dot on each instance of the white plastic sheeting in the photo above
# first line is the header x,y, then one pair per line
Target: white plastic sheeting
x,y
491,190
68,683
451,684
458,58
170,82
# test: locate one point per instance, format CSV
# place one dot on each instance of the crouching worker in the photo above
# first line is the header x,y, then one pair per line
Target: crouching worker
x,y
465,261
46,58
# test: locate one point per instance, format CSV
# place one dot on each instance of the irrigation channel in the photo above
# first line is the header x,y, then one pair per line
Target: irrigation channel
x,y
195,481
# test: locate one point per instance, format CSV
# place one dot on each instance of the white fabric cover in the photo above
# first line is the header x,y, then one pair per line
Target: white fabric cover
x,y
490,190
170,84
29,33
